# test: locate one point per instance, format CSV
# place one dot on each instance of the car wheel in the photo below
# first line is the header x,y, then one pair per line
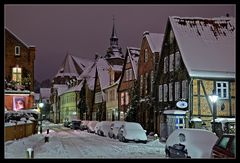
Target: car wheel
x,y
124,140
114,137
167,153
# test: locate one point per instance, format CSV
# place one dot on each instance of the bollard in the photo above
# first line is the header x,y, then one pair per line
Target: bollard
x,y
30,153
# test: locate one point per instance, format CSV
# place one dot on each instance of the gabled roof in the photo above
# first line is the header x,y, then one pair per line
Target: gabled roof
x,y
28,46
73,66
207,45
155,41
133,54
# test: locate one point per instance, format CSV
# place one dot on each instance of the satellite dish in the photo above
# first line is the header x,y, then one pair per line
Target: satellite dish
x,y
182,104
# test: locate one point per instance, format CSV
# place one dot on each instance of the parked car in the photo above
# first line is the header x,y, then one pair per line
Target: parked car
x,y
132,131
190,143
83,125
66,123
75,124
104,128
91,126
114,129
225,147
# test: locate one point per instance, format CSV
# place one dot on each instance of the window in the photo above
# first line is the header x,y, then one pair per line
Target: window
x,y
171,37
222,90
145,55
98,97
165,64
17,50
170,91
184,89
17,74
171,62
122,98
129,74
146,83
152,78
224,142
141,85
165,92
177,92
128,60
160,93
177,60
126,98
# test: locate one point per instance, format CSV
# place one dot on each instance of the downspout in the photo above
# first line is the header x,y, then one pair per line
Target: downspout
x,y
190,101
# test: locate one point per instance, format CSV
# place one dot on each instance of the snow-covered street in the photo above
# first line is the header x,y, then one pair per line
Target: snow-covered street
x,y
68,143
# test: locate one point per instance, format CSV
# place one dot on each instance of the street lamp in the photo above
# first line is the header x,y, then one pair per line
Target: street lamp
x,y
41,106
213,99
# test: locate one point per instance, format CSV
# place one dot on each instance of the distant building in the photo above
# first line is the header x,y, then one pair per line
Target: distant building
x,y
197,60
127,80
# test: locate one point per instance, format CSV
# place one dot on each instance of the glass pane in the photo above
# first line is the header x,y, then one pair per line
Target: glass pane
x,y
224,93
218,84
224,84
223,143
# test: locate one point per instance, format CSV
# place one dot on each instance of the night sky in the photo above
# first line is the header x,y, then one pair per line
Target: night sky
x,y
84,30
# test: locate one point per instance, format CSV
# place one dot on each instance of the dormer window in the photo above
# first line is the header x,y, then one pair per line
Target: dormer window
x,y
17,50
145,55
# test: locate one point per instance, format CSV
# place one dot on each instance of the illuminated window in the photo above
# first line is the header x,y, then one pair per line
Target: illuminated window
x,y
17,74
17,50
222,90
146,83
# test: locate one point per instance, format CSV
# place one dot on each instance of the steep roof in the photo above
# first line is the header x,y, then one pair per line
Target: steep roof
x,y
76,88
133,54
73,66
18,38
155,41
207,45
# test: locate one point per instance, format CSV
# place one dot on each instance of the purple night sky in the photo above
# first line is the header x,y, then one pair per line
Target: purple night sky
x,y
83,30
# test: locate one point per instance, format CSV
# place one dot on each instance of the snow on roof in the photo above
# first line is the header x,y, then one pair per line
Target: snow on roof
x,y
117,67
155,41
103,73
45,92
89,75
76,88
133,54
73,66
207,45
174,112
18,38
195,119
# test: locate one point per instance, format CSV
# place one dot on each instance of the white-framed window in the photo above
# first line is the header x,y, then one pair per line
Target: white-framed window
x,y
122,98
98,97
171,62
177,60
165,64
222,89
126,75
17,50
126,98
145,55
146,83
130,74
17,74
184,89
160,93
165,94
170,91
141,85
177,91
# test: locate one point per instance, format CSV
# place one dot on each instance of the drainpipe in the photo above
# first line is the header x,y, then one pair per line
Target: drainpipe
x,y
190,101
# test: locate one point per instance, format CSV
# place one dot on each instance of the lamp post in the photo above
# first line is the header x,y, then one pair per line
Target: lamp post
x,y
41,106
213,99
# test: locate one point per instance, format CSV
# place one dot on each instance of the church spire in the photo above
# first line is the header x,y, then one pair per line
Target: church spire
x,y
113,39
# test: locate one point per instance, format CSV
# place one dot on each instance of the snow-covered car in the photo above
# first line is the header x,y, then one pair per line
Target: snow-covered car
x,y
83,125
132,131
190,143
91,126
114,129
103,128
225,147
